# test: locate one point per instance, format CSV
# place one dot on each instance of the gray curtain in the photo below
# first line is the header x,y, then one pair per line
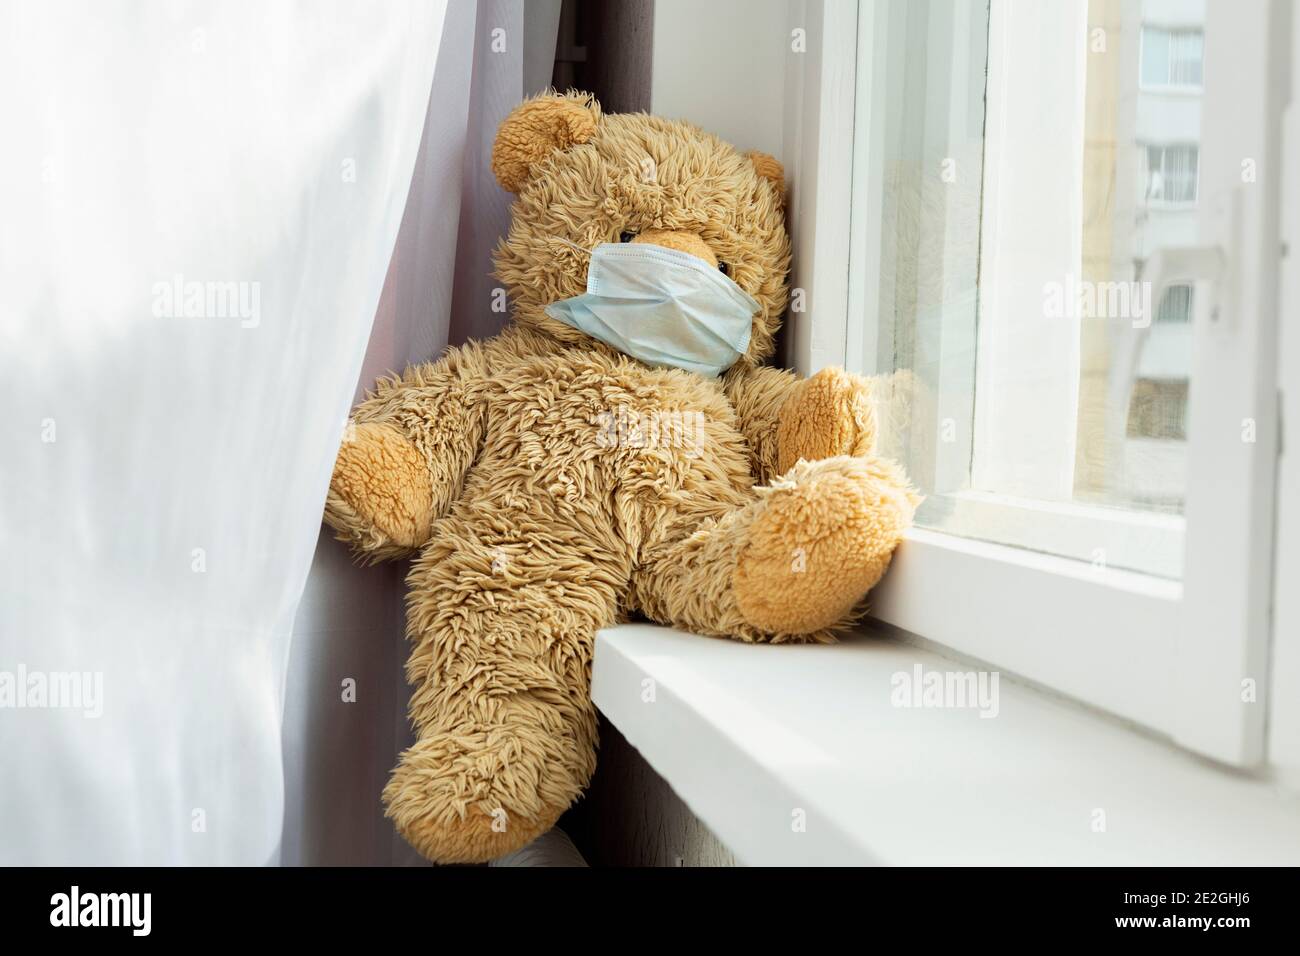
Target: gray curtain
x,y
349,628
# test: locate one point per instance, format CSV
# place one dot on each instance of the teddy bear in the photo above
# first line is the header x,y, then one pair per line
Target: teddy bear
x,y
619,450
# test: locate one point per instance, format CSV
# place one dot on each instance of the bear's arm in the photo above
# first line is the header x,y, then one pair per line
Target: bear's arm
x,y
758,394
405,455
785,418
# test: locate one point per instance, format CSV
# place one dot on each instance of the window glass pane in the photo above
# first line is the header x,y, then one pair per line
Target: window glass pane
x,y
1139,376
1185,58
1155,172
1155,56
1176,305
1025,168
1180,173
926,180
1170,57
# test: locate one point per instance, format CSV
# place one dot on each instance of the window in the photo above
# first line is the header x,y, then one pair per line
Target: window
x,y
1031,261
1176,306
1171,173
1171,58
1010,270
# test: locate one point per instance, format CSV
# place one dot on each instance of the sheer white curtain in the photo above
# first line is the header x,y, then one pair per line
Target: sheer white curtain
x,y
350,625
199,206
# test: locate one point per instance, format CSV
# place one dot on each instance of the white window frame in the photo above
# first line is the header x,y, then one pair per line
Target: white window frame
x,y
1168,655
1284,670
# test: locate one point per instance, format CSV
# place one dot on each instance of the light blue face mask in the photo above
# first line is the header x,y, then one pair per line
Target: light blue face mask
x,y
662,306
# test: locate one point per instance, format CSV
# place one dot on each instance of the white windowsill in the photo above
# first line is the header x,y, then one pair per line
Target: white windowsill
x,y
749,734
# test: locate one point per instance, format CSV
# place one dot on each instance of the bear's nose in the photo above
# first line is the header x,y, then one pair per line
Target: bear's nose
x,y
681,240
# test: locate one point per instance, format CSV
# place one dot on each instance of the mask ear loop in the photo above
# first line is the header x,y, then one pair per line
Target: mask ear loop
x,y
573,245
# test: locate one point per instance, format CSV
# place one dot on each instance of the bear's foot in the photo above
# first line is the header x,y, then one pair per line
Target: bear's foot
x,y
823,539
473,796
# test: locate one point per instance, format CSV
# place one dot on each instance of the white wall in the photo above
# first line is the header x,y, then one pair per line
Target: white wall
x,y
732,67
721,65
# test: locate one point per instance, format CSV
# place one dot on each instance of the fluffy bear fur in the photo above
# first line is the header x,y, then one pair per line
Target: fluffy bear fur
x,y
549,485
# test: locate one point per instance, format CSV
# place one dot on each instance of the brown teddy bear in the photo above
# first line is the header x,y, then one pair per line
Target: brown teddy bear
x,y
586,464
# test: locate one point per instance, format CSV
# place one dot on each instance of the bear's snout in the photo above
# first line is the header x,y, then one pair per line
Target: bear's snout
x,y
681,240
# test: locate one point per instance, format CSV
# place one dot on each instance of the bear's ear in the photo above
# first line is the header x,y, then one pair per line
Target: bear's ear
x,y
769,167
538,127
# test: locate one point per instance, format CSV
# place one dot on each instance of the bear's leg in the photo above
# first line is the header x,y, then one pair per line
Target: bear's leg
x,y
506,731
789,565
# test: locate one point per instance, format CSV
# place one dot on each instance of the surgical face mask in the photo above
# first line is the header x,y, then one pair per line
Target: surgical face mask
x,y
662,306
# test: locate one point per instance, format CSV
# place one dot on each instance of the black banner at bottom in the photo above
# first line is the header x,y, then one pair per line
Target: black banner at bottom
x,y
333,906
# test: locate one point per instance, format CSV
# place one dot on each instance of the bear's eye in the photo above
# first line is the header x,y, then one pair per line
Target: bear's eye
x,y
626,236
724,268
